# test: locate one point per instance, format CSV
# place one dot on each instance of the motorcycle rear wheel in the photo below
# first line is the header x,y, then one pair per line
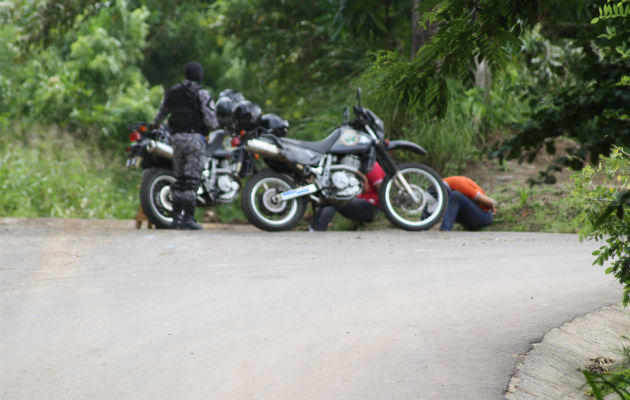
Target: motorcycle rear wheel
x,y
402,210
262,206
156,196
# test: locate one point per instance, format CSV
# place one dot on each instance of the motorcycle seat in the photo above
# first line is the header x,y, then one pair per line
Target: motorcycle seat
x,y
321,146
214,147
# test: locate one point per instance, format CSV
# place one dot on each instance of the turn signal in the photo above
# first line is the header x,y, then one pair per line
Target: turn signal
x,y
235,142
242,133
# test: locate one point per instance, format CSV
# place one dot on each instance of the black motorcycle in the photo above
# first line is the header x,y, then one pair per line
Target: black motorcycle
x,y
331,171
226,160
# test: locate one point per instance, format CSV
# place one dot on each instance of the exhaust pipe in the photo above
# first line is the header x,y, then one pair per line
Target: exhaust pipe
x,y
263,148
160,148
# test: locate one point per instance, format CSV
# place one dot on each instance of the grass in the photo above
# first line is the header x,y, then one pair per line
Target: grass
x,y
52,174
538,208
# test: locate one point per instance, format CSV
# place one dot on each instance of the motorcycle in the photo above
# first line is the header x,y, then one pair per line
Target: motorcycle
x,y
226,161
331,172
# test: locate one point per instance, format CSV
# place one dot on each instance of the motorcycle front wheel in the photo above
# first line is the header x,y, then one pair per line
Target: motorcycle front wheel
x,y
156,196
402,209
263,206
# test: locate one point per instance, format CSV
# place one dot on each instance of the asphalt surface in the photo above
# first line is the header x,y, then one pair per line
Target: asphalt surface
x,y
99,310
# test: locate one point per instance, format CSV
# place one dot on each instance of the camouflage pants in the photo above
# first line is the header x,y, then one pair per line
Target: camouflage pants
x,y
188,150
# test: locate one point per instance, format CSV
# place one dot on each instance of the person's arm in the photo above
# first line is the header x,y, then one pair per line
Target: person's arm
x,y
486,202
209,117
161,114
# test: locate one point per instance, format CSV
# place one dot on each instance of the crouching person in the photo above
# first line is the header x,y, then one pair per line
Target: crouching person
x,y
467,205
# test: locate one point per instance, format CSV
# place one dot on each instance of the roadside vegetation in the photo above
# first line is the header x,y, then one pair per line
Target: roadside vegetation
x,y
471,81
466,80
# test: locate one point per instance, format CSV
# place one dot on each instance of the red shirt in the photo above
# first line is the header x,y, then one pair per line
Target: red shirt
x,y
465,186
374,177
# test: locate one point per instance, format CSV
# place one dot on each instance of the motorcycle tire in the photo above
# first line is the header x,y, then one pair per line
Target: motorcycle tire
x,y
400,208
262,207
156,196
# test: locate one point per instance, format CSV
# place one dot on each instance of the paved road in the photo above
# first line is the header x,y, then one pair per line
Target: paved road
x,y
95,310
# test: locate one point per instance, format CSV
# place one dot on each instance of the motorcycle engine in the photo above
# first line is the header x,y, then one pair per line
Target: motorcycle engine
x,y
344,181
227,187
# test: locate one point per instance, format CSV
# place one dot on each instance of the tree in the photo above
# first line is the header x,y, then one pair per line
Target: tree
x,y
590,104
419,34
589,107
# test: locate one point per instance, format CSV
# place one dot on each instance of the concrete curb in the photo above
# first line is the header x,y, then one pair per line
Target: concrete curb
x,y
552,369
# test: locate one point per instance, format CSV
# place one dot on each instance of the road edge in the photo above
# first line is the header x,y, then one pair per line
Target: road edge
x,y
552,368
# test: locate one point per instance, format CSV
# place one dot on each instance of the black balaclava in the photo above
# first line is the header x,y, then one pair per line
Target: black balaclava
x,y
194,72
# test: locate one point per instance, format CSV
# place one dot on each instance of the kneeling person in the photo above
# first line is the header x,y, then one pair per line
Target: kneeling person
x,y
467,205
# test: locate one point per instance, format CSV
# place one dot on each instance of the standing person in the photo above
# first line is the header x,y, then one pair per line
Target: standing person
x,y
362,209
191,118
467,205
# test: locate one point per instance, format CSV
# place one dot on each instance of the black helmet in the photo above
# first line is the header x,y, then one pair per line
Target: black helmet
x,y
223,111
245,115
194,72
232,94
275,124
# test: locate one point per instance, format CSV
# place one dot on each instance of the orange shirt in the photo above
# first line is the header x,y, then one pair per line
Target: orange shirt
x,y
465,186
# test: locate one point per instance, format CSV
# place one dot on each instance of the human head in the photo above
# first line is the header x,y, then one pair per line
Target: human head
x,y
194,72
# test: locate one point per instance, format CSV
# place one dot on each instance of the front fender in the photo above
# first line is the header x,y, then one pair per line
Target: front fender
x,y
406,145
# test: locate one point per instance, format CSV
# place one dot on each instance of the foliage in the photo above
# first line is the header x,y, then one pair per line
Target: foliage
x,y
590,104
88,82
606,213
615,381
50,174
469,31
472,116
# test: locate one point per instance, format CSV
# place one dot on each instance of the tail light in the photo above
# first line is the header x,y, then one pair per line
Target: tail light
x,y
135,136
235,142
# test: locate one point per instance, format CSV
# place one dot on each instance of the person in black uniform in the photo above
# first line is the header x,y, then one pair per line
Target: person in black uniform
x,y
191,118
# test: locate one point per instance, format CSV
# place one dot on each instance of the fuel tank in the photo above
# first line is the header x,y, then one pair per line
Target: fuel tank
x,y
350,141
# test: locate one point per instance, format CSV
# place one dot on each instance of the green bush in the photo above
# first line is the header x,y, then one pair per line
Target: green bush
x,y
50,174
604,193
88,81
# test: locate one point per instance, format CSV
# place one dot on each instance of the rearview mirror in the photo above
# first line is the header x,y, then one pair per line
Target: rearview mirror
x,y
346,113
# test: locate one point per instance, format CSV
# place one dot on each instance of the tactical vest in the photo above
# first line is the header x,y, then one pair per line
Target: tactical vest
x,y
183,105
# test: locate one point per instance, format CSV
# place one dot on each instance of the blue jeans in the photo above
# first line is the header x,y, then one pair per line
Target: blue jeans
x,y
356,209
463,210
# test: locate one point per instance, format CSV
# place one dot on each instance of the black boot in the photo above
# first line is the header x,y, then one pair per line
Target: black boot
x,y
188,220
176,214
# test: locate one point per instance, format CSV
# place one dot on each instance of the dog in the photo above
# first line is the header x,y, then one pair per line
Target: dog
x,y
140,216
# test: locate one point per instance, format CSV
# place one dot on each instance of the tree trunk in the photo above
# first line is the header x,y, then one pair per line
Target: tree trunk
x,y
419,35
482,74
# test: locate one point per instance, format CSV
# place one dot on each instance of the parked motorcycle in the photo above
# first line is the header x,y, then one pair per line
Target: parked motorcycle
x,y
226,160
331,171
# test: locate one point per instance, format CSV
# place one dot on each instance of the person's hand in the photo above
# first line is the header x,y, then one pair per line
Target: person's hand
x,y
494,208
487,202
